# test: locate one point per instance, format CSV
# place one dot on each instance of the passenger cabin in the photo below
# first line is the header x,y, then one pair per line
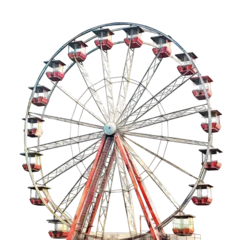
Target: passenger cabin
x,y
60,230
198,87
57,73
34,161
183,225
215,117
186,68
163,49
34,131
211,165
204,194
104,41
34,197
77,51
134,35
41,96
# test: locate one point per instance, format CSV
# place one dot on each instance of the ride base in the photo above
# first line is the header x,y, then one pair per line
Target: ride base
x,y
176,237
146,236
115,235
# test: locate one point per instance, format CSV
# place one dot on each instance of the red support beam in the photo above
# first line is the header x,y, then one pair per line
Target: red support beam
x,y
72,232
92,192
132,176
99,197
143,190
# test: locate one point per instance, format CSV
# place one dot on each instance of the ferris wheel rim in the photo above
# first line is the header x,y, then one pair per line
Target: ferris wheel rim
x,y
185,202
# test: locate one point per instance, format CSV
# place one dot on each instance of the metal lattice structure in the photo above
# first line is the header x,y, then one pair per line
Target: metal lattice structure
x,y
132,127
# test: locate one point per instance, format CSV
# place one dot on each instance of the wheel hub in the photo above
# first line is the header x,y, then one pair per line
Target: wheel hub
x,y
110,128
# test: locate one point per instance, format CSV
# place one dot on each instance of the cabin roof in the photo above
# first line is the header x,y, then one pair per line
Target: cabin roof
x,y
40,86
185,216
29,119
126,29
203,185
80,42
218,112
105,30
155,37
213,111
29,153
56,60
53,221
40,187
214,151
181,55
32,152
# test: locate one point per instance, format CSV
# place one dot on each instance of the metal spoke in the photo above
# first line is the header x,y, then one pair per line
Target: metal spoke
x,y
124,83
168,139
67,141
163,118
80,104
107,203
139,90
144,185
67,120
70,163
152,176
73,194
102,218
65,215
204,175
153,160
127,195
92,89
163,159
108,79
153,102
102,212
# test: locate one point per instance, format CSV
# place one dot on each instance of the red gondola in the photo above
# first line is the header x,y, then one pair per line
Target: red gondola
x,y
212,164
55,72
103,39
134,35
203,195
197,87
41,96
216,121
183,225
34,199
185,68
60,230
163,46
34,159
35,127
78,51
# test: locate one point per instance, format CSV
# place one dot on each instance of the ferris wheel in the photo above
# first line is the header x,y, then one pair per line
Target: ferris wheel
x,y
118,114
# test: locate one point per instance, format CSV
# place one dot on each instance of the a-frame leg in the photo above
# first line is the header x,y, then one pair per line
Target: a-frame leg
x,y
132,176
103,188
72,230
144,192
